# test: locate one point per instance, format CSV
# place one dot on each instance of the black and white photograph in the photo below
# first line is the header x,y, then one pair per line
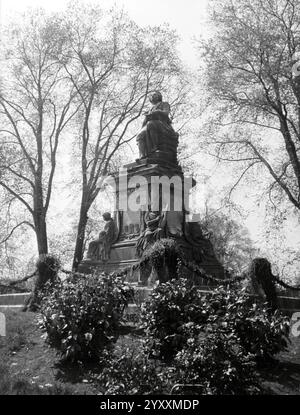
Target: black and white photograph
x,y
149,201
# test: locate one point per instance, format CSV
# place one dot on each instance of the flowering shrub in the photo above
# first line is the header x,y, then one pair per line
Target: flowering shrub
x,y
82,315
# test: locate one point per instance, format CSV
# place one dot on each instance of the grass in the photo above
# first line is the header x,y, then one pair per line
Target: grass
x,y
14,384
28,366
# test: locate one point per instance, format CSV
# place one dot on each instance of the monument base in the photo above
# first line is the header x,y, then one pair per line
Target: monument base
x,y
132,225
123,256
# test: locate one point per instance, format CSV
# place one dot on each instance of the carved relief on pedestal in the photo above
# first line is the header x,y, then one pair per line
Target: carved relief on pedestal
x,y
154,228
130,225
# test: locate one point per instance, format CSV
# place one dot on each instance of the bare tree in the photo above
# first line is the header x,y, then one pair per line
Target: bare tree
x,y
114,65
254,91
36,104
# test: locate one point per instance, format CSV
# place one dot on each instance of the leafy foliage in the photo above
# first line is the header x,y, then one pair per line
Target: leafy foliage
x,y
179,312
173,305
130,375
254,49
48,267
163,257
231,241
216,361
214,340
82,315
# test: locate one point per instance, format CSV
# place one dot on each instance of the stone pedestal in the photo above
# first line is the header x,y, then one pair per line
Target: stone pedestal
x,y
131,221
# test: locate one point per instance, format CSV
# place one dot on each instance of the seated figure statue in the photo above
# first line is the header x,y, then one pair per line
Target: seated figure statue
x,y
99,250
155,223
111,231
96,250
157,132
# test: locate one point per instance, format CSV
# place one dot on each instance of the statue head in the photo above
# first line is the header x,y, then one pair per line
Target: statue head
x,y
156,97
106,216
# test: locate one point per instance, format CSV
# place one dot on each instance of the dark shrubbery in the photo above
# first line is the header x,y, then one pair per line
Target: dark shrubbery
x,y
131,374
179,309
82,316
163,257
47,267
210,339
216,361
213,339
168,314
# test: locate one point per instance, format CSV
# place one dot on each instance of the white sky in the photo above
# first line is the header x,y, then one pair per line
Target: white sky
x,y
188,16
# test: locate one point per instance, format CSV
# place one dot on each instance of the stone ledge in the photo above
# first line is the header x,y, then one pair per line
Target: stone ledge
x,y
4,308
13,299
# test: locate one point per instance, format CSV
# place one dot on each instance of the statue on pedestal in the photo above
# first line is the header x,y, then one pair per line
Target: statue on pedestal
x,y
157,142
99,250
157,133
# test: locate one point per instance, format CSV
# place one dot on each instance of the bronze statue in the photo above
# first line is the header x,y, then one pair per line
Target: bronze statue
x,y
96,250
157,132
155,223
99,250
111,231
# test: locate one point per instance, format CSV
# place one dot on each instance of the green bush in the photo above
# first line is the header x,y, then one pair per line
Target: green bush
x,y
211,339
47,267
179,311
172,306
260,332
163,256
130,374
216,362
82,315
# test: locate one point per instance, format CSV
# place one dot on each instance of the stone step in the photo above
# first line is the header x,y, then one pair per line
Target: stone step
x,y
141,294
5,308
289,303
132,314
13,299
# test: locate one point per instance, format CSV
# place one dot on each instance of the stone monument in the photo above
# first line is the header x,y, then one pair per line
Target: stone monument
x,y
164,212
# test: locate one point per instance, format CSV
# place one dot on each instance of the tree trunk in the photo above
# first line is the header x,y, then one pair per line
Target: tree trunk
x,y
79,245
42,241
41,235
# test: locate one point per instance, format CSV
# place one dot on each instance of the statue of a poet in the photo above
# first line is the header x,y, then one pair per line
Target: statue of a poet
x,y
157,132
